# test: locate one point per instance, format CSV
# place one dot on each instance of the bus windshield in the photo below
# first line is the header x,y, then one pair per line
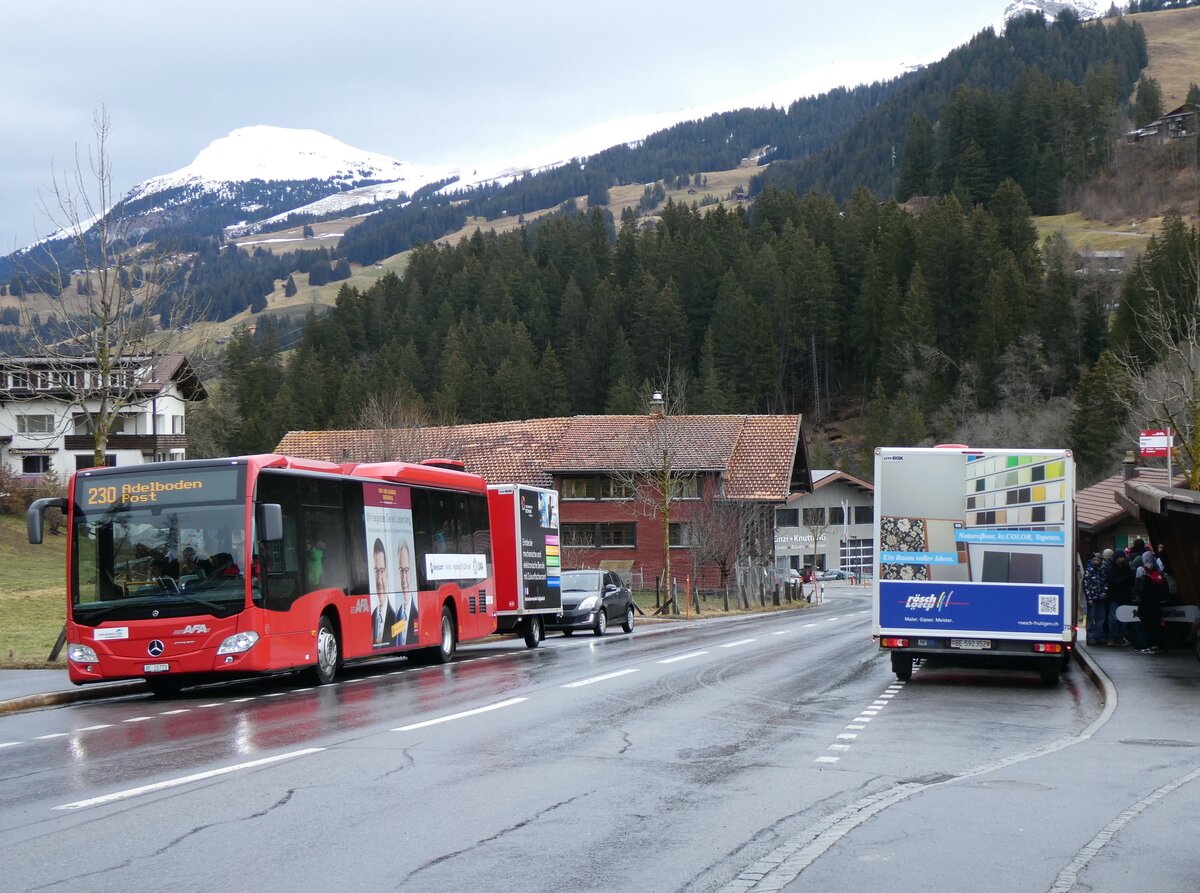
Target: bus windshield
x,y
162,543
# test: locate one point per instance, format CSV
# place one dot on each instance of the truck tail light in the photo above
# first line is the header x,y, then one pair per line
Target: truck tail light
x,y
1048,648
889,642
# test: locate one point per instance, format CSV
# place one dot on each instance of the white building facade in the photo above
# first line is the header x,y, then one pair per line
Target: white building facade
x,y
831,528
42,432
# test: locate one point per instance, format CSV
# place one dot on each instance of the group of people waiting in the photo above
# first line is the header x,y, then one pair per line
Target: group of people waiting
x,y
1134,576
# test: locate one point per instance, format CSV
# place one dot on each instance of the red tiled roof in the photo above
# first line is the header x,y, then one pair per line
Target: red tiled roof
x,y
762,457
1096,507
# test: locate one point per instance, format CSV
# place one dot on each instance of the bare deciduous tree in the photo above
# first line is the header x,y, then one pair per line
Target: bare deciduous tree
x,y
401,429
103,325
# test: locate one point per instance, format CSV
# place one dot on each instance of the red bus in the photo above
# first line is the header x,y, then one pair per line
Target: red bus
x,y
186,572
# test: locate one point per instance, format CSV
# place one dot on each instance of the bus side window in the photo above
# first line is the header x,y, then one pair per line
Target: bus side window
x,y
324,549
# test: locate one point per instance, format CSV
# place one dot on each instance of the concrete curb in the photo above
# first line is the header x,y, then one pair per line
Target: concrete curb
x,y
71,696
1098,677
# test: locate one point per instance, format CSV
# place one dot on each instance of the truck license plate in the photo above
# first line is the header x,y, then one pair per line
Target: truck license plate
x,y
971,644
155,668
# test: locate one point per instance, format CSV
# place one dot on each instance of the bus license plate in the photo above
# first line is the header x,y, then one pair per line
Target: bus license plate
x,y
971,644
155,668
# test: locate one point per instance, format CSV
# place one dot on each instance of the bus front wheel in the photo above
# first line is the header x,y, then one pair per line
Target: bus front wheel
x,y
329,657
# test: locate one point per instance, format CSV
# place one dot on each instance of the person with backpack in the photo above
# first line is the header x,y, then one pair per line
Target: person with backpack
x,y
1150,588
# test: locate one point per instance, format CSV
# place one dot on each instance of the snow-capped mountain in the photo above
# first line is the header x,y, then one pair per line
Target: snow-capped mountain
x,y
1085,9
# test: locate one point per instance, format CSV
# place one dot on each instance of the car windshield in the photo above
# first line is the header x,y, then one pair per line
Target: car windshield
x,y
580,581
158,544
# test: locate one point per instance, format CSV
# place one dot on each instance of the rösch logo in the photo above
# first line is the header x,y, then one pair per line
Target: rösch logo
x,y
928,602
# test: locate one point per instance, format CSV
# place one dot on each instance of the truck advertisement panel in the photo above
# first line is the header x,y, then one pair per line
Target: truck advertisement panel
x,y
540,561
974,541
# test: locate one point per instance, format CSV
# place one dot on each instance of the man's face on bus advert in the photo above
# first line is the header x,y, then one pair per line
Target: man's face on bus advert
x,y
381,586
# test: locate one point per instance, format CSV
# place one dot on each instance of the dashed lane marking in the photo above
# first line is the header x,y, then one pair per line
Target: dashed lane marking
x,y
603,678
463,715
679,657
187,779
738,642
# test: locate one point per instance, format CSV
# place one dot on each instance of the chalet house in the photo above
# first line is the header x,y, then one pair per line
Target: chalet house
x,y
1177,123
41,430
829,528
1104,520
744,466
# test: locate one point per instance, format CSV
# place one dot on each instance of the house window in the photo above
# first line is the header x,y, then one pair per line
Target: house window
x,y
787,517
864,514
177,424
35,464
85,460
814,517
578,535
836,515
612,535
579,488
614,488
685,487
35,424
20,379
681,535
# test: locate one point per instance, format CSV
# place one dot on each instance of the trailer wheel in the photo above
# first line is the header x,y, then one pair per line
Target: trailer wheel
x,y
533,631
329,656
449,638
902,666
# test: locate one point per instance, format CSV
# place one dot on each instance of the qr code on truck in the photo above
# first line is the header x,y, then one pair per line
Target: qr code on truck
x,y
1047,604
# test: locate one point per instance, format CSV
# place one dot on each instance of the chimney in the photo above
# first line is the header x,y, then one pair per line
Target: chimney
x,y
1129,465
656,405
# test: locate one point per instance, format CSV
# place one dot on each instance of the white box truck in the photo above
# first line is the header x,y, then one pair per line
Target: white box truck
x,y
525,550
975,556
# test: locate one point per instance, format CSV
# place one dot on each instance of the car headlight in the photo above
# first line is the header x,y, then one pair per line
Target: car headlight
x,y
589,603
81,654
238,642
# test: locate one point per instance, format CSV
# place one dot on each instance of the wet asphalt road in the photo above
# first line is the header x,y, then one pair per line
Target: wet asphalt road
x,y
677,758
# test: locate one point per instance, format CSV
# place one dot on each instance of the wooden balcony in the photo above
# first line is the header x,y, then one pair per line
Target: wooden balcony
x,y
147,443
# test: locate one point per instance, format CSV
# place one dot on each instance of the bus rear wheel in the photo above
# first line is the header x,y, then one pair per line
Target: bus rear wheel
x,y
449,638
329,656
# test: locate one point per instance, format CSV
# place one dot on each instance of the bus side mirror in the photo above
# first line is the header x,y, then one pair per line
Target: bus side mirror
x,y
270,522
35,517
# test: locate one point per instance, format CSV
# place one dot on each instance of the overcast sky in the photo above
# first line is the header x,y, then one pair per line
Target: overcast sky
x,y
441,82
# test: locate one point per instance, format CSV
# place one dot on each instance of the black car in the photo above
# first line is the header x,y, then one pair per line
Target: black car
x,y
591,599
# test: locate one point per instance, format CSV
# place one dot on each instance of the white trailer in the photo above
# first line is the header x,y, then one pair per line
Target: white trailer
x,y
975,557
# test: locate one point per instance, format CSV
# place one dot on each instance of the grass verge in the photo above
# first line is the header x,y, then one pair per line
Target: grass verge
x,y
32,603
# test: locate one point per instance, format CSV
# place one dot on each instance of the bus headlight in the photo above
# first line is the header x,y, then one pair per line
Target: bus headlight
x,y
81,654
238,643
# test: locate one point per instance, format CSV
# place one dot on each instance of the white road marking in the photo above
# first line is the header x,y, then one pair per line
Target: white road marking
x,y
9,743
838,747
847,736
187,779
855,726
870,712
688,656
781,632
827,759
738,642
275,694
240,700
51,735
862,719
138,719
202,706
879,703
173,712
463,715
103,725
807,625
582,682
831,619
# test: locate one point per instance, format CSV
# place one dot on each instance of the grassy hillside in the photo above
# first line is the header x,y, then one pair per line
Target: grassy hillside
x,y
1173,38
32,603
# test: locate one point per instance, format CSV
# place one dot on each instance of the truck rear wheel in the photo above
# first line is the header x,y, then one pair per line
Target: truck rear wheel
x,y
533,631
902,666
